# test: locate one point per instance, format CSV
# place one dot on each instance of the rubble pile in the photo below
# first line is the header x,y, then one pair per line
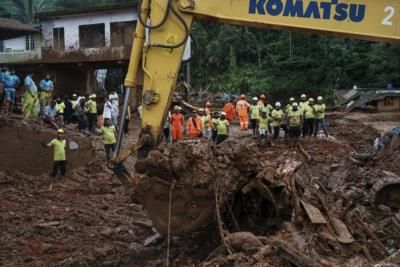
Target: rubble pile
x,y
316,205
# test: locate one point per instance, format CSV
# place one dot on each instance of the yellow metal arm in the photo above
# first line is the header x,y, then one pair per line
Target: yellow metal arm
x,y
364,19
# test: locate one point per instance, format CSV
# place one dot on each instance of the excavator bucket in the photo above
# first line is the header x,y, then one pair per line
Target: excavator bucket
x,y
190,207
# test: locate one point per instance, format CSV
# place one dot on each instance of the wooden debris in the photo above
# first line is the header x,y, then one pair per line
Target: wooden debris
x,y
266,193
151,239
304,152
313,213
295,257
343,234
48,224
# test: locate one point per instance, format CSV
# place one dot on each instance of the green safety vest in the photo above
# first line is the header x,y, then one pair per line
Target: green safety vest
x,y
263,123
294,118
320,109
277,117
222,127
308,112
255,112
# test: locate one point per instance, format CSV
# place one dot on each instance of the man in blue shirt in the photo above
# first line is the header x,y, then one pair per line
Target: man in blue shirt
x,y
30,97
11,82
46,91
2,93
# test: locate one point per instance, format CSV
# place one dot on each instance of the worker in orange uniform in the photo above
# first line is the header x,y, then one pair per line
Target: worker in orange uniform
x,y
194,126
207,109
242,108
176,125
229,110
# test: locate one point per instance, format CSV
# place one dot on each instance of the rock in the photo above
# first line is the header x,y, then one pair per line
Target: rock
x,y
384,208
243,242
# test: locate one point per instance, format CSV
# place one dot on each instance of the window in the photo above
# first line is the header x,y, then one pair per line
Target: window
x,y
58,39
30,42
91,35
2,46
389,101
122,33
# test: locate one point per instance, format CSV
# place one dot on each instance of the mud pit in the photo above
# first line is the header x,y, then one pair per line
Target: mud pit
x,y
22,150
89,219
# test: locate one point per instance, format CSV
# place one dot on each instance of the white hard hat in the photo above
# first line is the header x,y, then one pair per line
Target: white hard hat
x,y
255,98
295,104
277,104
303,96
223,114
320,98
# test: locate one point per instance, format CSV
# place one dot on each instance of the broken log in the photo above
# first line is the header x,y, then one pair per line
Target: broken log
x,y
304,152
295,257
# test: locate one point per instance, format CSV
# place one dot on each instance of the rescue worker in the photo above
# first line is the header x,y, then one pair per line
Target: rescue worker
x,y
50,116
295,120
261,102
263,122
277,117
177,125
68,112
229,110
167,127
214,130
255,110
60,107
11,82
303,102
194,126
206,121
222,128
46,91
30,97
107,108
309,116
109,134
59,158
91,107
320,117
127,120
242,107
288,107
114,108
80,111
264,106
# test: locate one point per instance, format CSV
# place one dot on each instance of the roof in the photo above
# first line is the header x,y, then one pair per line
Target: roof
x,y
84,10
355,98
11,28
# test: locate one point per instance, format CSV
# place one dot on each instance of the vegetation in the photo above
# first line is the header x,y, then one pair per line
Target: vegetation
x,y
281,64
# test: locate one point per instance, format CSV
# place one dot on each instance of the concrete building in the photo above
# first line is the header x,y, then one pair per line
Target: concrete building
x,y
77,47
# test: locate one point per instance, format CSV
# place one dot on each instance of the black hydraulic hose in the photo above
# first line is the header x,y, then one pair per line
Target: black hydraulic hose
x,y
152,26
187,32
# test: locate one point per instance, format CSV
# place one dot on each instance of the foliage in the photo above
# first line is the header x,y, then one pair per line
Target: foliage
x,y
283,64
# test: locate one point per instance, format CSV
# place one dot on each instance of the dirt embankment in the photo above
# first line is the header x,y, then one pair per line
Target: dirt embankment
x,y
22,148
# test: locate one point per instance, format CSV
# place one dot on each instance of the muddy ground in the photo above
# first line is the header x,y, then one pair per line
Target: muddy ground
x,y
89,219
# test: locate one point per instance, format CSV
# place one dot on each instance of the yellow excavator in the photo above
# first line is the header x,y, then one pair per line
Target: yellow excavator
x,y
162,31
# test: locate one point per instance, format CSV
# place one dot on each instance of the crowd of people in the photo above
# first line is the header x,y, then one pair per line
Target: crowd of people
x,y
296,119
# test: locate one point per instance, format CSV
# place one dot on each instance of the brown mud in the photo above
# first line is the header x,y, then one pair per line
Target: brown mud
x,y
89,219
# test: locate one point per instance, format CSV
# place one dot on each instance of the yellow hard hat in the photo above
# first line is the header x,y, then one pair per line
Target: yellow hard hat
x,y
242,96
61,131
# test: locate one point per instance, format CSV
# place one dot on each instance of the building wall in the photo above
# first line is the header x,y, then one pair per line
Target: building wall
x,y
71,26
384,106
15,51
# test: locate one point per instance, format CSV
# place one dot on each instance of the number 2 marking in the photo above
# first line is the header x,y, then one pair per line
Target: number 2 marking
x,y
387,21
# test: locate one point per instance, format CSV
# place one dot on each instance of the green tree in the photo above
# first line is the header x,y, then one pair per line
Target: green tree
x,y
23,10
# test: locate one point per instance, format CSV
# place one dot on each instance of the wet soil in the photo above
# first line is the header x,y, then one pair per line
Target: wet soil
x,y
89,219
